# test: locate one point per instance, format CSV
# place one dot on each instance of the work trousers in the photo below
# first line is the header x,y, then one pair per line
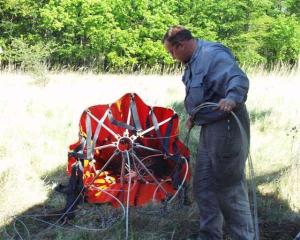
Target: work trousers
x,y
219,183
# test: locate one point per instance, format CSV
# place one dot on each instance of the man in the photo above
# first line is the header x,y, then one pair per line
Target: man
x,y
212,75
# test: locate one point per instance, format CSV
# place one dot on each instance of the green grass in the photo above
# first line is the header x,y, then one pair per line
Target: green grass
x,y
38,123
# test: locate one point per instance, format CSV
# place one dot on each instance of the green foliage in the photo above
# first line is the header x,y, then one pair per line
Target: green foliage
x,y
282,43
125,35
293,7
28,57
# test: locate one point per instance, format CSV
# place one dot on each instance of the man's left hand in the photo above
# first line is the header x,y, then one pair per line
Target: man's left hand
x,y
227,105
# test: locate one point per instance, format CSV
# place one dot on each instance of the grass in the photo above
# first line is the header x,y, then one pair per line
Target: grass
x,y
274,105
38,122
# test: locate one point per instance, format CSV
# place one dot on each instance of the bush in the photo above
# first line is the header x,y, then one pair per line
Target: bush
x,y
124,35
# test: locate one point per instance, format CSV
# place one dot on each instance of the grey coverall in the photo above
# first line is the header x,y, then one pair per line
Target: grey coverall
x,y
219,182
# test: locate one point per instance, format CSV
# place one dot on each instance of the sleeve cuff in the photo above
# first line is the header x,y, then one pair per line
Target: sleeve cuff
x,y
235,97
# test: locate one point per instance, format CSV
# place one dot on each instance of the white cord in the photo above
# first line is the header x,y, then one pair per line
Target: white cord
x,y
252,174
179,188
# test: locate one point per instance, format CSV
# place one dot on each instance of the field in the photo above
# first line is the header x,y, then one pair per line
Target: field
x,y
39,120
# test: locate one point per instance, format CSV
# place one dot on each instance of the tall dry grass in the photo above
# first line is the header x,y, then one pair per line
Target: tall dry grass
x,y
274,104
37,123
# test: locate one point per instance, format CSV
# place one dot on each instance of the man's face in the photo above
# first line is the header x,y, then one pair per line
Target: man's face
x,y
178,51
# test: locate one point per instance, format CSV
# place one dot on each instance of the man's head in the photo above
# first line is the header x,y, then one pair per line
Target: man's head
x,y
180,43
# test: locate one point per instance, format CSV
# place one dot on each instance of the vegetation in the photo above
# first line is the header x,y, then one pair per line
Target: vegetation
x,y
125,35
38,123
40,109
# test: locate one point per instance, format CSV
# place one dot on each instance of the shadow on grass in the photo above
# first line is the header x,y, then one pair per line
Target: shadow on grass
x,y
45,221
271,177
275,219
150,222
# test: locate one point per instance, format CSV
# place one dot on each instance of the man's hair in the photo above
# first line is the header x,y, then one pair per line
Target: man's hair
x,y
176,34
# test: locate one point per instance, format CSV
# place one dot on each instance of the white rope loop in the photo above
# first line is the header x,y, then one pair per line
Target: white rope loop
x,y
250,163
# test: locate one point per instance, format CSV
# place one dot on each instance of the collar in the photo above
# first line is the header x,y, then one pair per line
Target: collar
x,y
195,53
188,65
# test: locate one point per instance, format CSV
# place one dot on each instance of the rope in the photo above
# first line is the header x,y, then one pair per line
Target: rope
x,y
90,149
36,218
63,214
183,180
128,196
250,163
24,225
175,135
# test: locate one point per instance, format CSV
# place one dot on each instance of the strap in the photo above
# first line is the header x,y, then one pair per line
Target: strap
x,y
118,123
148,120
78,151
134,112
166,139
156,127
74,190
89,137
97,131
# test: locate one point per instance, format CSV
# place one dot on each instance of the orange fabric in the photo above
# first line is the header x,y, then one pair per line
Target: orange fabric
x,y
145,189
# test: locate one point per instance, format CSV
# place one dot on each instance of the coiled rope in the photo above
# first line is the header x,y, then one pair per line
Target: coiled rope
x,y
250,163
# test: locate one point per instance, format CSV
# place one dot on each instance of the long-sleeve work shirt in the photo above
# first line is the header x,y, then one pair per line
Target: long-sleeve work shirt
x,y
212,74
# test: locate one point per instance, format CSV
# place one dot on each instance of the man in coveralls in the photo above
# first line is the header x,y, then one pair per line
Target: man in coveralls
x,y
212,75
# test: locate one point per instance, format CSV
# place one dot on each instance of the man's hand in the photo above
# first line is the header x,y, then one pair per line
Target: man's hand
x,y
189,123
227,105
